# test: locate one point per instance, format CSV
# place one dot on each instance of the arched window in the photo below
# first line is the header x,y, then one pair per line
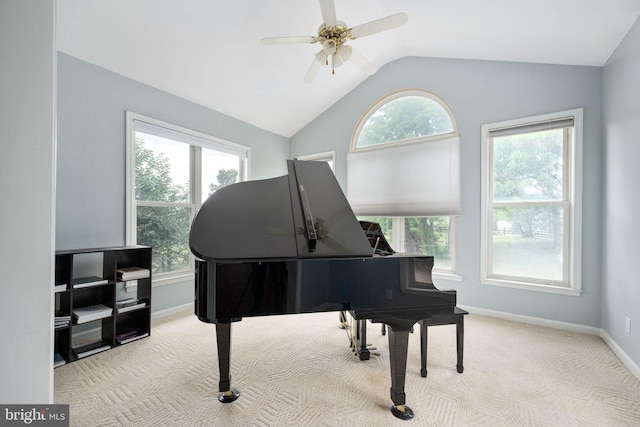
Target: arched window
x,y
402,117
403,172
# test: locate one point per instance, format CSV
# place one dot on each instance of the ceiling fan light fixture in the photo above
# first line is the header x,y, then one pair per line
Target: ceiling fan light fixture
x,y
344,53
329,47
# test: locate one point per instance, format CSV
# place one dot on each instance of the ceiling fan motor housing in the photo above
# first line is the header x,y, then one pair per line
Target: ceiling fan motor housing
x,y
332,38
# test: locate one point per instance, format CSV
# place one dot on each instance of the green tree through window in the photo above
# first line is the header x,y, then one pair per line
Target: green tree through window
x,y
225,177
405,118
166,227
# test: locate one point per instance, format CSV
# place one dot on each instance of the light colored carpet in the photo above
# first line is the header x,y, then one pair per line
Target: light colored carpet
x,y
299,370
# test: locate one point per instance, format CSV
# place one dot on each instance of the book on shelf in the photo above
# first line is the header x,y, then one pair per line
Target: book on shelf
x,y
92,348
60,287
126,301
58,360
132,273
92,312
129,335
84,282
62,321
129,304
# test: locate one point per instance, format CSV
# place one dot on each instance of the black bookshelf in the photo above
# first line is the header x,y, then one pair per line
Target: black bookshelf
x,y
78,335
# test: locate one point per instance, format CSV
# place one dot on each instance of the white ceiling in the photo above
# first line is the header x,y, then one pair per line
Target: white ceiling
x,y
209,52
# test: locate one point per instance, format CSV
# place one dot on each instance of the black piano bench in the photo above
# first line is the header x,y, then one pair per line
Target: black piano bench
x,y
455,318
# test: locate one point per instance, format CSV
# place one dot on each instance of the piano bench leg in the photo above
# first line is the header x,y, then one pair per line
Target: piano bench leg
x,y
456,318
423,349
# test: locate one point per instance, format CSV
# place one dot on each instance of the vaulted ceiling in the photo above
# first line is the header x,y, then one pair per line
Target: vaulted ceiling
x,y
209,51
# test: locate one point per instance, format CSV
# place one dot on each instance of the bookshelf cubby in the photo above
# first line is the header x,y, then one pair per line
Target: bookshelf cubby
x,y
88,284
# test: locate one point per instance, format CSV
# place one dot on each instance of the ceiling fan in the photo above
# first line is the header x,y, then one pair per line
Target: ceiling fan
x,y
332,36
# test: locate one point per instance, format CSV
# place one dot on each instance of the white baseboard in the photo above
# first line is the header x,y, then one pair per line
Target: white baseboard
x,y
589,330
624,358
156,315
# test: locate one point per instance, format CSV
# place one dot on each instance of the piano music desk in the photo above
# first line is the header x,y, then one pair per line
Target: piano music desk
x,y
455,318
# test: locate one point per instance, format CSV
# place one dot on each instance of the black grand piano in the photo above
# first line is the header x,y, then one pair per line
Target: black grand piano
x,y
292,244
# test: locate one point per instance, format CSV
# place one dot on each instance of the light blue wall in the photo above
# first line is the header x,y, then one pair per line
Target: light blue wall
x,y
621,296
27,171
90,202
481,92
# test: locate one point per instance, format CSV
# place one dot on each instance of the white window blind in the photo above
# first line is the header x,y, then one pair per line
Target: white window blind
x,y
190,137
555,123
417,179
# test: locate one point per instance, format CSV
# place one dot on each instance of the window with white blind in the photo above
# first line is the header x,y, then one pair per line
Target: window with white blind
x,y
327,156
403,171
532,202
171,171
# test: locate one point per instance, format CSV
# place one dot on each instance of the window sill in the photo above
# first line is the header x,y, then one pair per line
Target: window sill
x,y
172,279
446,276
550,289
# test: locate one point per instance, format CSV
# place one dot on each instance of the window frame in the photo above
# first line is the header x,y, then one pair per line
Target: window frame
x,y
571,203
196,142
402,93
397,240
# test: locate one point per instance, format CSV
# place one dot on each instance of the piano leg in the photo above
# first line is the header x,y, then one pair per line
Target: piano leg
x,y
460,342
223,337
398,346
424,337
361,330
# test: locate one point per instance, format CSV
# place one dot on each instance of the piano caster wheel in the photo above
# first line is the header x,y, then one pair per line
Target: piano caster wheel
x,y
401,411
228,396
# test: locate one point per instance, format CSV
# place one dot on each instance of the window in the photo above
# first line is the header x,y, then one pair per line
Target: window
x,y
424,235
170,173
403,172
531,202
404,116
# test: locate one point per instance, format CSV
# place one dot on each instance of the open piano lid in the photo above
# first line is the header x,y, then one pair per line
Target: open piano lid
x,y
303,214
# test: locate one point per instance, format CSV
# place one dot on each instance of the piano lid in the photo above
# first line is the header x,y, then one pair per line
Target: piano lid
x,y
303,214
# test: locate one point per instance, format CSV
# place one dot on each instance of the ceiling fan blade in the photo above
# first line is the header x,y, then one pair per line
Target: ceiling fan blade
x,y
379,25
362,62
328,9
288,40
317,63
